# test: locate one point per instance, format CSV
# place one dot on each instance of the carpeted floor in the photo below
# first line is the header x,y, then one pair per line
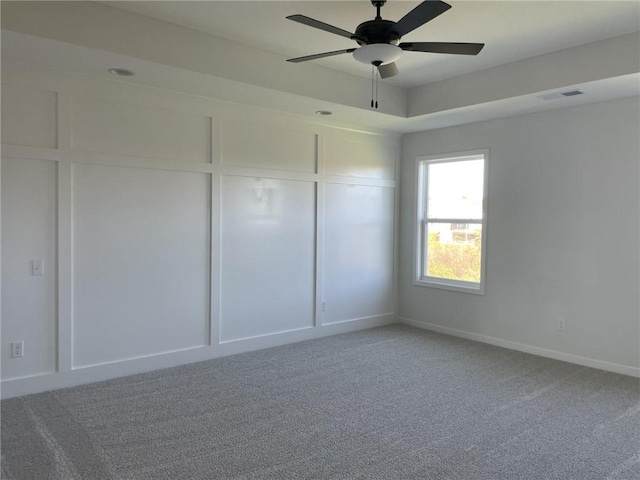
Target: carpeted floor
x,y
387,403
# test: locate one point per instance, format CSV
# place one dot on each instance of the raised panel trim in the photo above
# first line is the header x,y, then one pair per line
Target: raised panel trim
x,y
33,153
65,266
360,181
6,156
68,356
132,161
64,116
215,264
295,202
80,143
265,150
391,161
265,173
47,136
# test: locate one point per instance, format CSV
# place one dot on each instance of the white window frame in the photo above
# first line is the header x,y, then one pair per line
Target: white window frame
x,y
421,220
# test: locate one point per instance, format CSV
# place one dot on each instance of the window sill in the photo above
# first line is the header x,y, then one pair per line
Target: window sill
x,y
452,285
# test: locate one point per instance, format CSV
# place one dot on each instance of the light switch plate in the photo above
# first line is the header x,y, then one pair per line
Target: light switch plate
x,y
37,267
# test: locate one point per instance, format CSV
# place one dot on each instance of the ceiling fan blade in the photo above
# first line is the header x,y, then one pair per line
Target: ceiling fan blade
x,y
420,15
320,25
443,47
320,55
388,70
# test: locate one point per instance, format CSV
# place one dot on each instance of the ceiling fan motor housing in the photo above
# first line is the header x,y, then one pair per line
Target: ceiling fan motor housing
x,y
377,39
376,31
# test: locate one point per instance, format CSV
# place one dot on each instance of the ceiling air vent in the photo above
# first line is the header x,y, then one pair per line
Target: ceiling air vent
x,y
572,93
557,95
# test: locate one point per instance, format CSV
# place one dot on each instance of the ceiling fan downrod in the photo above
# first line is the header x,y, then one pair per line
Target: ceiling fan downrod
x,y
378,4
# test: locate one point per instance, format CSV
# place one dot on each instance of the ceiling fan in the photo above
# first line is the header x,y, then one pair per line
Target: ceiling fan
x,y
378,39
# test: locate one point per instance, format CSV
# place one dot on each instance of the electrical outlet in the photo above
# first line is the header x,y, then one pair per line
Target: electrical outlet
x,y
324,306
17,349
561,324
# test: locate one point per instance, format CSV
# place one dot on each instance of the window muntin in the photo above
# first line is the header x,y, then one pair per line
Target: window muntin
x,y
451,219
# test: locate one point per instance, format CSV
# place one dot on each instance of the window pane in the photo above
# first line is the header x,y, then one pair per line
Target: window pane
x,y
454,251
455,189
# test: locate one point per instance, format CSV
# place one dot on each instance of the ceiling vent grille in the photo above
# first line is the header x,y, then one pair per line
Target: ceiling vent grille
x,y
557,95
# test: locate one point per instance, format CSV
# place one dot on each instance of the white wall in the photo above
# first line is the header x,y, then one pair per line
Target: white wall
x,y
562,240
176,228
28,234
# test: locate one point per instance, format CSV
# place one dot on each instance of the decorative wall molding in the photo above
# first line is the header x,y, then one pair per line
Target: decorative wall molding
x,y
80,99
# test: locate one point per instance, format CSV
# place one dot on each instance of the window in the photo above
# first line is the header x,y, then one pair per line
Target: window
x,y
451,221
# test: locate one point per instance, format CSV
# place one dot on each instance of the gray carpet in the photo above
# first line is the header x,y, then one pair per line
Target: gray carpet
x,y
387,403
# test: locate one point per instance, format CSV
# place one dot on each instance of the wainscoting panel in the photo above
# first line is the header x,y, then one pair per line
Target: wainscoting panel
x,y
28,234
122,128
29,117
267,261
175,228
358,252
346,157
248,144
141,262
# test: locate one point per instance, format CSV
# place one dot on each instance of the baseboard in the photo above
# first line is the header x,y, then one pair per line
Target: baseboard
x,y
391,316
54,381
521,347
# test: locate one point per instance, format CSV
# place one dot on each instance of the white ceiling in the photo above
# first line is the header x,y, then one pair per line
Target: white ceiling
x,y
533,48
511,30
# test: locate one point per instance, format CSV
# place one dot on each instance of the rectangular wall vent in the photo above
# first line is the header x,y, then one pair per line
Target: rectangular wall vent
x,y
557,95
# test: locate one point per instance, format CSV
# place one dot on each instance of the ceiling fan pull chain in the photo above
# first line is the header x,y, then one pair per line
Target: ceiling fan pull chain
x,y
372,85
377,77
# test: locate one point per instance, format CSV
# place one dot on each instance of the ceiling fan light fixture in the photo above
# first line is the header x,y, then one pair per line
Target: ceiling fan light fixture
x,y
377,53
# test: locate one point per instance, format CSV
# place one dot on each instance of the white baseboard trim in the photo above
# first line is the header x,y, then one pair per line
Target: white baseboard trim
x,y
270,334
521,347
96,373
361,319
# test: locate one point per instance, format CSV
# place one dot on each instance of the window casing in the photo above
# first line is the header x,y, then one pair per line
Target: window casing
x,y
451,221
